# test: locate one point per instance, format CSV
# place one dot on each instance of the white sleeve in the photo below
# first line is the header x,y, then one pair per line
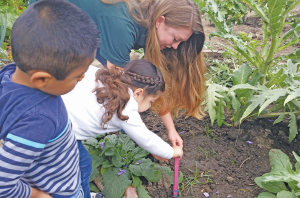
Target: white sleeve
x,y
137,131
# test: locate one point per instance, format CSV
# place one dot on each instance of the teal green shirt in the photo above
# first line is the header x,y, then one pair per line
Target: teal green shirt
x,y
119,32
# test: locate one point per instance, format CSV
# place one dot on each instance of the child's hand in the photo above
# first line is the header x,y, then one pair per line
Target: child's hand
x,y
178,152
35,193
160,158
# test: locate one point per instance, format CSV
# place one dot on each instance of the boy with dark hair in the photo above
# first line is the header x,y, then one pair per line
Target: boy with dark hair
x,y
53,44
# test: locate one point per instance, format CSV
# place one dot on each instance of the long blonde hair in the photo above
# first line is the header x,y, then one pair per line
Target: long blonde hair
x,y
183,69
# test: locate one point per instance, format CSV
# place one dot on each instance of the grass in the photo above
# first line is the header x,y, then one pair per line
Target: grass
x,y
208,154
210,134
190,180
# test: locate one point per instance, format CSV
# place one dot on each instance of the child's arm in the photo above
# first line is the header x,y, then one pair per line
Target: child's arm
x,y
172,133
137,131
38,194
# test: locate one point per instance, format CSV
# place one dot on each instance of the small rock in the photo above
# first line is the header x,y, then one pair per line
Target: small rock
x,y
130,193
232,135
230,180
268,130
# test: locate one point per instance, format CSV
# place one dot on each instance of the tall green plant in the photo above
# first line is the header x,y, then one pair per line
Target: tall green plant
x,y
260,54
2,33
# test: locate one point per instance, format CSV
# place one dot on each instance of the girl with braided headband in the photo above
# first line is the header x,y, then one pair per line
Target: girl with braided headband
x,y
172,35
112,102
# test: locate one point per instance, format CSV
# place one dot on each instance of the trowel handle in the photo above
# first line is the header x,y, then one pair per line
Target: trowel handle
x,y
175,186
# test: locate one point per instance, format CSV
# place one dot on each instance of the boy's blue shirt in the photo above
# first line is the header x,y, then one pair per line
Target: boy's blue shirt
x,y
39,147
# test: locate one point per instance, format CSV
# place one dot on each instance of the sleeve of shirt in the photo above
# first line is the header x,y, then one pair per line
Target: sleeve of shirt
x,y
137,131
23,144
117,38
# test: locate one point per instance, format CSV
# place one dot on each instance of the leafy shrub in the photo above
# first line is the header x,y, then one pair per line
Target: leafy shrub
x,y
122,164
282,180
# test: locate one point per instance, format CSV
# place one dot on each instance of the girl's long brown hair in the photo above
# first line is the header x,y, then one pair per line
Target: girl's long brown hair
x,y
183,69
113,94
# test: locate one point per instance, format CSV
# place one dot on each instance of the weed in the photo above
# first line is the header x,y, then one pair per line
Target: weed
x,y
189,181
208,154
210,133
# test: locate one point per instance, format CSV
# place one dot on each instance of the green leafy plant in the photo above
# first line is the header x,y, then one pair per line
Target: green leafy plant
x,y
121,164
232,10
282,180
273,20
261,81
2,34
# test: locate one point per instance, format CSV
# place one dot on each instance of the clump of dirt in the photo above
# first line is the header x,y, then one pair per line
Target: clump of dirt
x,y
227,162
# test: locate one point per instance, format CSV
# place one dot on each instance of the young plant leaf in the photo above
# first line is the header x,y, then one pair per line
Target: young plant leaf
x,y
286,194
241,76
293,127
142,193
266,195
279,119
273,187
136,181
115,185
139,152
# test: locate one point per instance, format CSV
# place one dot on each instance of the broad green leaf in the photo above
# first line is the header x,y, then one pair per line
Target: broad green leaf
x,y
273,187
255,80
274,79
110,152
136,181
138,169
293,185
266,195
93,187
292,95
271,96
211,99
142,193
245,86
279,119
280,160
139,152
255,101
293,127
152,175
297,166
220,112
115,185
276,9
180,177
117,161
234,101
166,172
96,162
286,194
128,144
107,164
92,141
111,139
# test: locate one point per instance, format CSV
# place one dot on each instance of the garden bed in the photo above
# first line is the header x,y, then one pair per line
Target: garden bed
x,y
224,154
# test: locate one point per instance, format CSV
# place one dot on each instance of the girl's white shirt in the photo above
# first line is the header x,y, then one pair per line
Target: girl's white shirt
x,y
86,113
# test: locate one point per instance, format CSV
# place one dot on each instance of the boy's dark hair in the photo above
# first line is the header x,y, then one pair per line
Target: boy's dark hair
x,y
114,94
54,36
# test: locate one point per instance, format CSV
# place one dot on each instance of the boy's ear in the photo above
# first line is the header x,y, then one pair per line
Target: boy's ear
x,y
40,78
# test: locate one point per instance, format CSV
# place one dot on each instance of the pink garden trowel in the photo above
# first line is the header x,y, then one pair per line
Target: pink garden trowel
x,y
175,186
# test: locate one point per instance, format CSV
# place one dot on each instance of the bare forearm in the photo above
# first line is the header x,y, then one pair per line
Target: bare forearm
x,y
168,122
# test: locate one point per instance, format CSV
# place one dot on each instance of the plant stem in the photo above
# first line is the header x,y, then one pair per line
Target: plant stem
x,y
271,115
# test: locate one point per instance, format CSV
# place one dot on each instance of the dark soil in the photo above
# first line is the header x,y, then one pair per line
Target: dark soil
x,y
231,162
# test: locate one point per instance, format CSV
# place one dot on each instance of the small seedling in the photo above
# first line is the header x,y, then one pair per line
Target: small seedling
x,y
210,133
208,154
189,181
